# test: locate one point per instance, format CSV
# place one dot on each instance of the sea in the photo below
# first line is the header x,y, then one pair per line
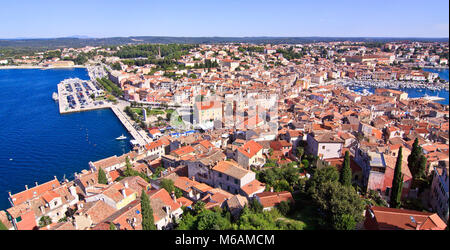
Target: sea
x,y
412,92
37,143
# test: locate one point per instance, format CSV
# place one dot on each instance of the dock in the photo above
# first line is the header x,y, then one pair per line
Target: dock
x,y
80,103
430,98
140,138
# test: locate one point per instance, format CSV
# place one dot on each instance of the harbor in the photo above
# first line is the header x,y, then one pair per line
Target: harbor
x,y
76,95
395,84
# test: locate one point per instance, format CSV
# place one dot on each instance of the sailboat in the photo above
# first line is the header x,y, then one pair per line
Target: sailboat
x,y
122,137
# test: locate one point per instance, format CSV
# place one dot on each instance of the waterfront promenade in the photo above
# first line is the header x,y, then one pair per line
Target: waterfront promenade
x,y
140,136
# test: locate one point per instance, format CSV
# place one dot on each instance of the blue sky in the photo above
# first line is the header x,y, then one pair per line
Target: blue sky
x,y
333,18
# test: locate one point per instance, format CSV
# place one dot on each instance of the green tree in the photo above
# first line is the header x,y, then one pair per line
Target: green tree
x,y
102,177
211,220
2,226
112,226
116,66
300,152
187,222
282,185
255,206
81,59
305,163
414,159
284,207
158,171
334,201
44,221
199,206
397,182
344,222
169,186
147,213
422,166
321,176
346,172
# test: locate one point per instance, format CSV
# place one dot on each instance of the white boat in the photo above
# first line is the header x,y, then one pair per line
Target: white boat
x,y
122,137
55,96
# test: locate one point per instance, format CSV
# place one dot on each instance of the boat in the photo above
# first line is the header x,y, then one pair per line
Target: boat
x,y
55,96
122,137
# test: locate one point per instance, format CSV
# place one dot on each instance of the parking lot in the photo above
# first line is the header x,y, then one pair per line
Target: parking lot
x,y
75,95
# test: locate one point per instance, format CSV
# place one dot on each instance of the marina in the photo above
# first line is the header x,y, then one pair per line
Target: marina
x,y
394,84
76,95
42,143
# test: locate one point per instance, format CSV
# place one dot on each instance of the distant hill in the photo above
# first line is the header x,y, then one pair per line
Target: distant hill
x,y
81,41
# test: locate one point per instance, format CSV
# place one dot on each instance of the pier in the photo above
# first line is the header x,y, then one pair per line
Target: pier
x,y
140,138
429,98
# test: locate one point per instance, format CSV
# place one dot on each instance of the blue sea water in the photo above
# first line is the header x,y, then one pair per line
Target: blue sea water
x,y
37,143
443,74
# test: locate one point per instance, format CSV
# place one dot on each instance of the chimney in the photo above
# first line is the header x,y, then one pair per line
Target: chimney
x,y
55,177
36,184
193,178
174,197
26,187
418,226
9,194
271,189
123,193
126,184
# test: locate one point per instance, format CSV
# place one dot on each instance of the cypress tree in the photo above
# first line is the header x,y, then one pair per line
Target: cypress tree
x,y
397,182
422,166
147,213
414,157
346,172
102,177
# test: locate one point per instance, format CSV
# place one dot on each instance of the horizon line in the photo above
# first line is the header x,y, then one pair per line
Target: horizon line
x,y
88,37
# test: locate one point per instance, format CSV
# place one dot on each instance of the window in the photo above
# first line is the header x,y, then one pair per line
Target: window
x,y
18,219
235,181
323,147
220,174
228,178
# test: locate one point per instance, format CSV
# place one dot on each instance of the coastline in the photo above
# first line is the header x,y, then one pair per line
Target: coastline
x,y
438,68
40,67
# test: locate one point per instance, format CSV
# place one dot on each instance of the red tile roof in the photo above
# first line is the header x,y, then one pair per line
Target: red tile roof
x,y
34,191
253,187
385,218
250,149
271,199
